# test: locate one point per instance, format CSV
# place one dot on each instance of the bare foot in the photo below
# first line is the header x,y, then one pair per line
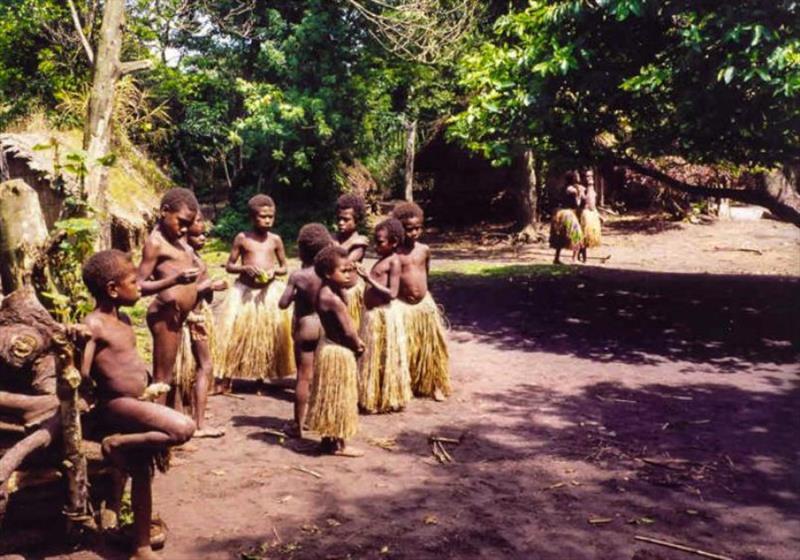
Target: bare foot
x,y
145,553
348,452
110,451
108,520
209,433
158,533
438,395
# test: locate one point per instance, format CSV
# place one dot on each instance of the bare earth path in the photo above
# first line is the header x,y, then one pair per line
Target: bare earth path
x,y
656,395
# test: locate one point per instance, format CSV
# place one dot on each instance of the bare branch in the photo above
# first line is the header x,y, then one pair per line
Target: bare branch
x,y
79,28
135,66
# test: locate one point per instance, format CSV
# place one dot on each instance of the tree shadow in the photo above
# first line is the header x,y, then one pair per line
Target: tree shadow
x,y
719,323
684,464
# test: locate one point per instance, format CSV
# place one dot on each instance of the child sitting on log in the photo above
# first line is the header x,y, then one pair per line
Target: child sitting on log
x,y
168,268
254,335
428,357
141,432
384,382
302,290
194,367
350,211
333,406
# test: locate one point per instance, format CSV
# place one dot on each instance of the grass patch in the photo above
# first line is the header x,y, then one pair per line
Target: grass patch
x,y
477,269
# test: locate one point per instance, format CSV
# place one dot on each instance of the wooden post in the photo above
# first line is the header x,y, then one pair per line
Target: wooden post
x,y
411,147
75,466
23,233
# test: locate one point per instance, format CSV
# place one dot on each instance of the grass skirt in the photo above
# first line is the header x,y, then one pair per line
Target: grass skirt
x,y
428,358
199,325
354,298
590,224
333,406
565,230
254,336
384,380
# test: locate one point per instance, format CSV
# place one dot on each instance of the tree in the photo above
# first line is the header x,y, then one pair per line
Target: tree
x,y
625,80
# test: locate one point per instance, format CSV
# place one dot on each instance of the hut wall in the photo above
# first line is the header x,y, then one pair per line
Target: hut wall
x,y
49,199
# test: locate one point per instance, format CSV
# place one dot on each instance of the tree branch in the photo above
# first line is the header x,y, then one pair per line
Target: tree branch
x,y
84,41
135,66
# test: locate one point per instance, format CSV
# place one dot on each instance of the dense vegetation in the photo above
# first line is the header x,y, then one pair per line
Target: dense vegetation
x,y
277,95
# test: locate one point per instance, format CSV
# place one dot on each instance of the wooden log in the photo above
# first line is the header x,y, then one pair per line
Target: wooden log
x,y
23,233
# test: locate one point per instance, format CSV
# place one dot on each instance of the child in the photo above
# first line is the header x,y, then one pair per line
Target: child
x,y
350,209
384,382
194,366
255,338
168,267
427,348
302,290
141,430
333,406
565,228
590,218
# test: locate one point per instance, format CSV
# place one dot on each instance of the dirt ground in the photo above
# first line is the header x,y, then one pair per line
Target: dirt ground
x,y
654,394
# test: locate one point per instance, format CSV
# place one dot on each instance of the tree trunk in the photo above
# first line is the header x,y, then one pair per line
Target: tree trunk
x,y
777,193
23,233
527,177
411,148
97,135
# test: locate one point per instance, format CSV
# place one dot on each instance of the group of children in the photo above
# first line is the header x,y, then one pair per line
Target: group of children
x,y
358,340
576,226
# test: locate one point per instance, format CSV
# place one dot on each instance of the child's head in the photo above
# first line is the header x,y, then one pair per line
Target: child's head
x,y
350,210
111,276
570,177
412,217
589,178
178,210
262,212
312,239
332,266
196,234
388,235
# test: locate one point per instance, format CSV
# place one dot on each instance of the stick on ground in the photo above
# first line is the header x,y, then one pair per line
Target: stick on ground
x,y
682,547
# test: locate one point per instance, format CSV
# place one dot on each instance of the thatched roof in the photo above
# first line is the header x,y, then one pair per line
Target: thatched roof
x,y
134,181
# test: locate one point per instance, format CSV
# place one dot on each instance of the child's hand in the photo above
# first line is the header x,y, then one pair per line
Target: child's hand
x,y
252,271
187,276
78,333
360,347
265,276
219,285
361,271
154,391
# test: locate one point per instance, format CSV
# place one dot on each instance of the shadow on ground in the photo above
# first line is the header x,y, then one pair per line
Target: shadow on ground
x,y
727,323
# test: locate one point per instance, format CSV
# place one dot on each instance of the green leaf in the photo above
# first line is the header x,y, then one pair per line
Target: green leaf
x,y
727,75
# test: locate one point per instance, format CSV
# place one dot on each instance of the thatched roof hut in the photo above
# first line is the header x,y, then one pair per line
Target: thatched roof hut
x,y
48,162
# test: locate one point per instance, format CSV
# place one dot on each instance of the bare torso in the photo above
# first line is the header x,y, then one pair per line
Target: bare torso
x,y
172,259
257,250
117,368
380,274
413,272
335,320
590,199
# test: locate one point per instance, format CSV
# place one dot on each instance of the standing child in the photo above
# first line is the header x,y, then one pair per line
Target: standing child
x,y
302,290
350,210
140,431
427,348
565,228
384,382
590,218
333,406
255,338
194,367
168,267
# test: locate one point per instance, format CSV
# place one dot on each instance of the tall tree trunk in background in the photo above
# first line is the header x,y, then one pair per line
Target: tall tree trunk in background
x,y
528,172
411,148
97,134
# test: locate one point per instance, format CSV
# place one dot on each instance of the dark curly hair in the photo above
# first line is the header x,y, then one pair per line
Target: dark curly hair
x,y
259,201
393,227
312,239
406,210
352,201
102,268
326,260
178,197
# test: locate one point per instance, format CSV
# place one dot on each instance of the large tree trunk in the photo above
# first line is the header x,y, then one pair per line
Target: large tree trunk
x,y
527,172
778,191
411,148
23,233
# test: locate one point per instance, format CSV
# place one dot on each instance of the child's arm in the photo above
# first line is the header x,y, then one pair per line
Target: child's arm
x,y
289,293
232,265
280,254
149,287
356,252
88,357
349,333
390,291
427,261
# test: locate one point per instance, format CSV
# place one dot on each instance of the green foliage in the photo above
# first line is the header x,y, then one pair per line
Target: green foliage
x,y
707,81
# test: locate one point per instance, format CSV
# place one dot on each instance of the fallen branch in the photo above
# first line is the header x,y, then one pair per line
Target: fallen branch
x,y
440,439
739,249
315,474
684,548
